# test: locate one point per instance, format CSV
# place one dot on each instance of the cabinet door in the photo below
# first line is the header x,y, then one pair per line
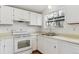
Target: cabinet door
x,y
47,45
41,44
50,46
72,13
39,19
2,47
17,14
34,43
6,15
25,15
33,17
8,46
69,48
21,15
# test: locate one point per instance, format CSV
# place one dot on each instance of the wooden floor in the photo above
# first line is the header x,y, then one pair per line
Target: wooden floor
x,y
36,52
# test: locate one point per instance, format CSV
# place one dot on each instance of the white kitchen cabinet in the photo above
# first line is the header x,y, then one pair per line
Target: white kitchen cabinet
x,y
39,19
71,13
34,43
55,46
51,46
41,44
68,48
6,15
6,46
47,45
35,19
21,15
1,47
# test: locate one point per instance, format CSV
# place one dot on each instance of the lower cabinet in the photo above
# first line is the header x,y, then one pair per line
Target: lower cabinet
x,y
47,45
34,42
52,47
1,47
6,46
41,46
56,46
68,48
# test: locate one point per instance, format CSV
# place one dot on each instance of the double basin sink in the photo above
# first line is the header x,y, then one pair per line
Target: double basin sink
x,y
49,34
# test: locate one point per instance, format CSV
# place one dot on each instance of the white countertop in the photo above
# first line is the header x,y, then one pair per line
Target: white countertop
x,y
5,35
67,39
63,38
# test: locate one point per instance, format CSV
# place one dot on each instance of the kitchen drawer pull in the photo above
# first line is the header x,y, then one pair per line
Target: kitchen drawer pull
x,y
54,46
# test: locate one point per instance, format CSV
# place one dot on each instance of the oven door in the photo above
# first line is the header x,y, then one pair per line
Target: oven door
x,y
22,44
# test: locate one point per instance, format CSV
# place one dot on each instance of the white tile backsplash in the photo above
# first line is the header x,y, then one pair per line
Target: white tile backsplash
x,y
19,26
5,28
68,29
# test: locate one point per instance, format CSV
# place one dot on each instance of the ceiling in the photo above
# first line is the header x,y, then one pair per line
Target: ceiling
x,y
34,8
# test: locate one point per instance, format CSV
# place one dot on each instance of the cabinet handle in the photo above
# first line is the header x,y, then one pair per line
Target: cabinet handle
x,y
4,46
54,46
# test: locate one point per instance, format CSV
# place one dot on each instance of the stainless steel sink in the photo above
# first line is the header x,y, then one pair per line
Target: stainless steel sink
x,y
50,34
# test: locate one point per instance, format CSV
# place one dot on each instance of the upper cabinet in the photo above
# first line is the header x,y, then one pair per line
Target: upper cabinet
x,y
39,19
35,19
6,15
21,15
71,13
